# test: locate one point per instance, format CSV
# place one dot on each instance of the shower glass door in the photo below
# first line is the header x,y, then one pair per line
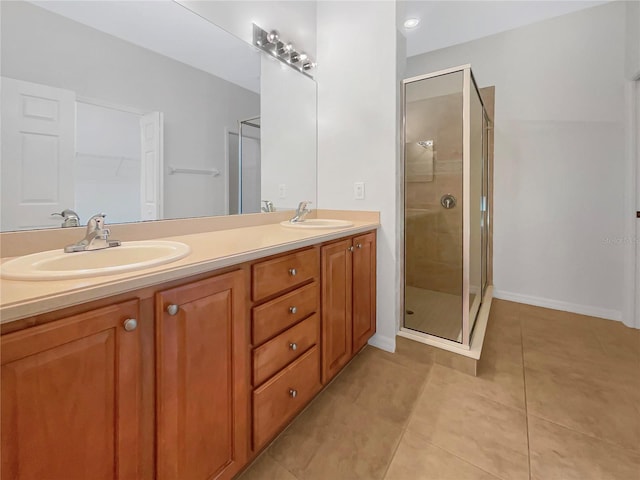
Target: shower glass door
x,y
446,209
433,205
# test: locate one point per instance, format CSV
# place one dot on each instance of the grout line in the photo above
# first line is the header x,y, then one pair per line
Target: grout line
x,y
526,407
588,435
409,417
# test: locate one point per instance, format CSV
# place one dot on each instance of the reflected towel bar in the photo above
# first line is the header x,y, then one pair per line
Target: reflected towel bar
x,y
196,171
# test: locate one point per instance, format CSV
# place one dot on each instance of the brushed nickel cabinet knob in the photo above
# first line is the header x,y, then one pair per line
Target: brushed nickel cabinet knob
x,y
293,393
130,324
293,309
293,272
173,309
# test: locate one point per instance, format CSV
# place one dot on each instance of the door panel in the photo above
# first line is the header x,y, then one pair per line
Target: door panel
x,y
336,308
71,398
364,289
152,170
202,379
38,149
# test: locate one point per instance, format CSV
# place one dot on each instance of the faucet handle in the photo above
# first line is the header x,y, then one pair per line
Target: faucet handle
x,y
96,222
302,206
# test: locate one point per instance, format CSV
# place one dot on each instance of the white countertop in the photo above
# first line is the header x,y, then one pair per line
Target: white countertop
x,y
209,251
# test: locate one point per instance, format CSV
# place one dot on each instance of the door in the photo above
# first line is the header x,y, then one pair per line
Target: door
x,y
336,307
71,398
364,289
38,148
152,166
202,362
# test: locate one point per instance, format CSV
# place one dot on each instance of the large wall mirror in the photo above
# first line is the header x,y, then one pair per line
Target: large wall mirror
x,y
145,111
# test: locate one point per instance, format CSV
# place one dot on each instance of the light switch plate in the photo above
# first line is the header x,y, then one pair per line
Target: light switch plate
x,y
282,190
358,190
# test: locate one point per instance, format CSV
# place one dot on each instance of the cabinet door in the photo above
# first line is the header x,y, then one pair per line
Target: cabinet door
x,y
70,398
364,289
202,363
336,307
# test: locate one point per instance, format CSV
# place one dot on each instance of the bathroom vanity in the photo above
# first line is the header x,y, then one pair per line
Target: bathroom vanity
x,y
185,370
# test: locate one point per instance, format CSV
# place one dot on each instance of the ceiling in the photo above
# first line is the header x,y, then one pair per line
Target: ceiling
x,y
447,23
168,28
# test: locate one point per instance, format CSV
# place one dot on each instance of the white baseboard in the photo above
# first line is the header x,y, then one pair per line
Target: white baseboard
x,y
559,305
383,343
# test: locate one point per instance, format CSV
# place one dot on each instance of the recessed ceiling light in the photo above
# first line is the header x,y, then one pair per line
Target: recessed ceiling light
x,y
411,22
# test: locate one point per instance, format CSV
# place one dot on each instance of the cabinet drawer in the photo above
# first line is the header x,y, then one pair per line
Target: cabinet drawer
x,y
286,347
277,315
278,400
279,274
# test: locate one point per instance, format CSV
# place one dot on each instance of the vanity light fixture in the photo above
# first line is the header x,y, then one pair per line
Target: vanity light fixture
x,y
284,51
411,22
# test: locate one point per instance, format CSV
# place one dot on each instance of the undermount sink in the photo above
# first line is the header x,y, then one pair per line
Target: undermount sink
x,y
314,223
57,265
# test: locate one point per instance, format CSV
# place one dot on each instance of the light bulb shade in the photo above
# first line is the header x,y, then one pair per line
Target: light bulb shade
x,y
273,36
303,56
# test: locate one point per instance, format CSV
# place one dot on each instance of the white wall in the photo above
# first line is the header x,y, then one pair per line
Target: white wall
x,y
559,156
357,129
288,132
632,32
45,48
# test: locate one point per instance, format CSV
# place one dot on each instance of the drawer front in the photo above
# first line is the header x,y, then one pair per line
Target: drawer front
x,y
277,315
286,347
278,400
279,274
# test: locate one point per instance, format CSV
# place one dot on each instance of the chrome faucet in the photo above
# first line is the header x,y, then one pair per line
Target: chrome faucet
x,y
268,206
69,218
301,212
96,238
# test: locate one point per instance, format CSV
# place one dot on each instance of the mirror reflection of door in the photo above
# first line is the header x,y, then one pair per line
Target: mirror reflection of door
x,y
101,158
38,136
250,165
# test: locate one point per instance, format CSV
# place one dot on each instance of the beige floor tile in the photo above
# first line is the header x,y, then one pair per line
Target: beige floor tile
x,y
266,468
617,340
558,453
296,446
568,337
504,308
583,402
416,459
381,387
362,447
483,432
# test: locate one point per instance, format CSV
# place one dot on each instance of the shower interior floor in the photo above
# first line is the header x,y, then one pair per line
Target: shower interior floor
x,y
435,313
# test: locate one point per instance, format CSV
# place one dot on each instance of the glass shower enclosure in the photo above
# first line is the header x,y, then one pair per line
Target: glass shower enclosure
x,y
446,214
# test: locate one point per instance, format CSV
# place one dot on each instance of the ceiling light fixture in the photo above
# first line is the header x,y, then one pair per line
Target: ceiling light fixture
x,y
411,22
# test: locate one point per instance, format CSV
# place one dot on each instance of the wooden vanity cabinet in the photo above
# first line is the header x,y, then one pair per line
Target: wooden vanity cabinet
x,y
348,300
216,366
202,379
71,397
285,340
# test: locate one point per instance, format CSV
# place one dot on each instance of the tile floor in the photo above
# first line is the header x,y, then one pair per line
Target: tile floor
x,y
557,398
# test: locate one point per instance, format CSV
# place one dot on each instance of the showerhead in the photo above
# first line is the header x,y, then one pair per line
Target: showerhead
x,y
425,143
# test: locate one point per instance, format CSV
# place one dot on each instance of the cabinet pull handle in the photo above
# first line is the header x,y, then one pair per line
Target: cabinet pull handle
x,y
293,393
358,245
293,272
130,324
173,309
293,346
293,309
350,249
